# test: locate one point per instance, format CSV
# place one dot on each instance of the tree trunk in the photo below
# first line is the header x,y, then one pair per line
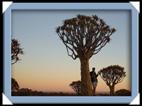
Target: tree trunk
x,y
111,90
86,84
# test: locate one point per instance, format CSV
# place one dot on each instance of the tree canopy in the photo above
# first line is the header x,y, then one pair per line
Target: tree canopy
x,y
84,35
16,50
112,74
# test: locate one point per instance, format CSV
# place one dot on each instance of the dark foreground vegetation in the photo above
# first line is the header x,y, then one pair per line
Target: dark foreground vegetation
x,y
30,92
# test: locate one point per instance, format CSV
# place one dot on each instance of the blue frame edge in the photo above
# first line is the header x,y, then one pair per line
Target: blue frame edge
x,y
70,6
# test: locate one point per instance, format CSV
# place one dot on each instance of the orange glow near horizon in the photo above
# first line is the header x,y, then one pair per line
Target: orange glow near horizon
x,y
57,80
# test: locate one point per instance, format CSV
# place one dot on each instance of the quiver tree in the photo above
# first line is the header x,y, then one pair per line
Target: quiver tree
x,y
84,36
112,75
16,50
76,86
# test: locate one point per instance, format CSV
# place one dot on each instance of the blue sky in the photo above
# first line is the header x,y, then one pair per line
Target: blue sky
x,y
45,64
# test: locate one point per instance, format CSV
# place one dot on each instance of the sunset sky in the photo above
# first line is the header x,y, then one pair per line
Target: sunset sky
x,y
45,64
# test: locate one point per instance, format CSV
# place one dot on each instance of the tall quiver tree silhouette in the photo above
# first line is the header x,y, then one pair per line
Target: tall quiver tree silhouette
x,y
16,50
84,36
112,75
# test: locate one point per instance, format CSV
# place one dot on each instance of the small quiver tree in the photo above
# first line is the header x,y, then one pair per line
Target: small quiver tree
x,y
16,50
112,75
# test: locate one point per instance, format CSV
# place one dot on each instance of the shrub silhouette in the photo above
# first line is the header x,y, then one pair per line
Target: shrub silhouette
x,y
84,36
76,86
112,75
123,92
15,85
25,91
